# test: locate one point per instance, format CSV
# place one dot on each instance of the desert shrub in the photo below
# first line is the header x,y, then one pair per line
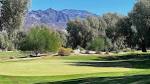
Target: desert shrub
x,y
64,51
107,53
41,39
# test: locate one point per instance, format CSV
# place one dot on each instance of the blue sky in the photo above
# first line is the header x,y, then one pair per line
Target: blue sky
x,y
95,6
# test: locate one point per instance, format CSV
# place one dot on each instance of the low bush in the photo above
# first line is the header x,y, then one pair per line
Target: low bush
x,y
107,53
65,51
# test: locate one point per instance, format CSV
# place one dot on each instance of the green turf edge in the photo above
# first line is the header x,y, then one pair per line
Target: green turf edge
x,y
40,79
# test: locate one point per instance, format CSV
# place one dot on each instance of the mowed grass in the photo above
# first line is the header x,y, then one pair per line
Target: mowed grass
x,y
48,67
78,69
5,54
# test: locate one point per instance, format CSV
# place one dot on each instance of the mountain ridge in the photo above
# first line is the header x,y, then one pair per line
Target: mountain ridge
x,y
54,18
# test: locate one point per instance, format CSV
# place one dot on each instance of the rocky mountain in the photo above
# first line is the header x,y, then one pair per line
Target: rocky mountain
x,y
54,18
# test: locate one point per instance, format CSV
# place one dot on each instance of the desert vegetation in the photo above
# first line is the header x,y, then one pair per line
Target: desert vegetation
x,y
109,49
109,32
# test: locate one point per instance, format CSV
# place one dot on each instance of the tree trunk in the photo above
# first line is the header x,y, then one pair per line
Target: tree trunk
x,y
143,45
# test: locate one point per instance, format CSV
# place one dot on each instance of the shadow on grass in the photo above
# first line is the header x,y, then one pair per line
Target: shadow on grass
x,y
127,57
140,79
139,64
129,61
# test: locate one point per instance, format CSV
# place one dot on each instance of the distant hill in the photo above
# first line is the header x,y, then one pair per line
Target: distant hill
x,y
54,18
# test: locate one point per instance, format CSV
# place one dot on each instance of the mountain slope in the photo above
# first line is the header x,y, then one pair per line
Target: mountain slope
x,y
54,18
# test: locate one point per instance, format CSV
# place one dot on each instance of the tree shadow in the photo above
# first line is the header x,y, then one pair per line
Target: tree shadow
x,y
129,61
139,64
137,79
127,57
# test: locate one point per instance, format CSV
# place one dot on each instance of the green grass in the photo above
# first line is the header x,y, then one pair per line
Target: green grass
x,y
67,78
140,79
4,55
51,67
123,68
